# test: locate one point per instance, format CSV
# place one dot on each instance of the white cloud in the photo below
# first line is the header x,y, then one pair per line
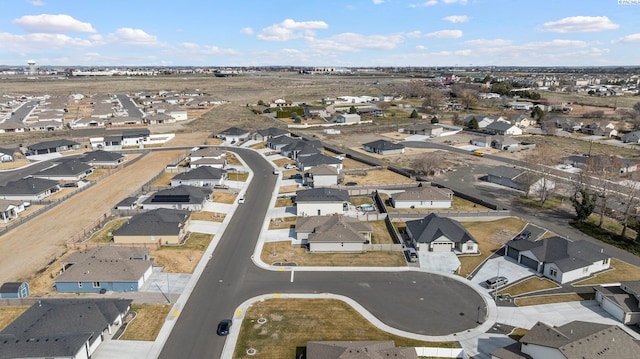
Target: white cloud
x,y
37,2
130,36
456,18
461,2
445,34
40,42
425,4
47,23
486,42
551,45
629,39
215,50
190,45
355,42
290,29
377,2
247,31
421,47
580,24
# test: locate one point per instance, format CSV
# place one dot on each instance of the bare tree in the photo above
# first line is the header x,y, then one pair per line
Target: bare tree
x,y
630,199
428,164
603,170
539,178
433,99
414,89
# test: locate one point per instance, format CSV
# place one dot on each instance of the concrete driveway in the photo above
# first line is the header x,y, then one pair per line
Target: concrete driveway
x,y
217,207
501,266
443,262
281,212
164,282
204,227
276,235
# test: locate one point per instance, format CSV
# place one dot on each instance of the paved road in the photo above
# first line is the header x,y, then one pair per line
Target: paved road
x,y
416,302
130,106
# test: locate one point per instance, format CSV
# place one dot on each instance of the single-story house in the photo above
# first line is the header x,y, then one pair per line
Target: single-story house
x,y
348,118
204,176
483,121
425,129
233,134
503,128
520,105
180,197
383,147
163,226
321,201
558,258
277,143
600,129
521,120
334,233
63,328
107,143
621,301
15,290
125,121
631,137
318,159
440,234
54,146
135,138
320,176
581,161
207,156
86,122
511,177
503,142
127,204
573,340
67,171
29,189
9,209
111,268
159,119
103,159
271,132
363,350
423,197
300,148
7,155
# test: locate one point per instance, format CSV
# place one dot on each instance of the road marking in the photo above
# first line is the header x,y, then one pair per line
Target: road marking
x,y
292,276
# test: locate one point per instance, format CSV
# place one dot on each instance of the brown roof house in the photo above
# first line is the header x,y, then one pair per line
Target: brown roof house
x,y
423,197
335,233
574,340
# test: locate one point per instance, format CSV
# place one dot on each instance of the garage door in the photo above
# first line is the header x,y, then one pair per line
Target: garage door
x,y
533,264
513,253
442,247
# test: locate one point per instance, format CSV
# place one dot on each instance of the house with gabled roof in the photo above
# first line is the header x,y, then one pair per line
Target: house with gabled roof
x,y
55,146
104,268
440,234
573,340
622,301
7,155
503,128
321,201
320,176
425,129
203,176
483,121
159,119
606,129
29,189
558,258
631,137
135,138
318,159
383,147
423,197
66,171
359,350
15,290
103,159
271,132
300,148
157,227
9,209
63,328
521,120
503,142
208,156
332,233
277,143
181,197
88,122
233,134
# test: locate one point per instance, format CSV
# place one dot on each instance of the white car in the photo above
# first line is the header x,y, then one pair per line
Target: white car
x,y
289,166
276,172
241,200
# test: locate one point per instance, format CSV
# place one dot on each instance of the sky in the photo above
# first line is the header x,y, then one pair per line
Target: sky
x,y
331,33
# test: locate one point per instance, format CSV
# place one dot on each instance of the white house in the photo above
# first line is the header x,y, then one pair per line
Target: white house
x,y
520,105
321,176
423,197
504,128
440,234
321,201
558,259
621,301
348,118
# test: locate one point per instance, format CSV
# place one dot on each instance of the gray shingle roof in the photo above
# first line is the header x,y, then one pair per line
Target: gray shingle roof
x,y
334,228
563,253
207,152
432,227
272,131
67,168
10,287
27,186
52,144
322,195
58,327
383,145
180,194
233,131
157,222
318,159
101,156
499,126
136,133
424,194
303,146
322,170
505,172
114,265
358,350
201,173
280,140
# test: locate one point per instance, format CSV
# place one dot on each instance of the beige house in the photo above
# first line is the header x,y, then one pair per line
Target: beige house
x,y
334,233
423,197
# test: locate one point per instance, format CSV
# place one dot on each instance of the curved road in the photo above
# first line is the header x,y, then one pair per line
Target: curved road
x,y
417,302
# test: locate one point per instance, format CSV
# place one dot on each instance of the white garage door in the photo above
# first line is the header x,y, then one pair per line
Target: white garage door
x,y
442,247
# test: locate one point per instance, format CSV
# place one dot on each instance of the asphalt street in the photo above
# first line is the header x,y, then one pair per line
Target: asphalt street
x,y
418,302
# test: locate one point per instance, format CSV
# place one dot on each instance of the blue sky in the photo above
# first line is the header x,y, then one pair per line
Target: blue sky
x,y
320,33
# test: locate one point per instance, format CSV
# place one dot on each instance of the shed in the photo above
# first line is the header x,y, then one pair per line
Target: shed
x,y
14,290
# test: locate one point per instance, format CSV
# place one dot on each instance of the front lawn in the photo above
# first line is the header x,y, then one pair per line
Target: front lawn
x,y
285,252
530,285
619,271
147,323
557,298
104,234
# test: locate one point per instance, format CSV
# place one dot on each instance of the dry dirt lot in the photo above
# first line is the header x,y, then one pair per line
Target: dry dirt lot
x,y
33,245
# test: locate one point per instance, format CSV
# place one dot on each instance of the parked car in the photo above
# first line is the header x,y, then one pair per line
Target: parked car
x,y
241,200
289,166
411,254
221,186
495,282
522,235
223,327
351,184
276,172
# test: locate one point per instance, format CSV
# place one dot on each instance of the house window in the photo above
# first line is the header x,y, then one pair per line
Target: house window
x,y
605,261
96,284
585,270
79,284
469,247
553,272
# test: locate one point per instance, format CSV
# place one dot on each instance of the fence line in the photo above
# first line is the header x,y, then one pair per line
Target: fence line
x,y
401,216
388,247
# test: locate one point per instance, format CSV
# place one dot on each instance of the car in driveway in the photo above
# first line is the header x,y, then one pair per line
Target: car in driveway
x,y
522,235
223,327
496,282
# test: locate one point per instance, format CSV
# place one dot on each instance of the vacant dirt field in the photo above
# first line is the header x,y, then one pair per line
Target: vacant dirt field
x,y
36,243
